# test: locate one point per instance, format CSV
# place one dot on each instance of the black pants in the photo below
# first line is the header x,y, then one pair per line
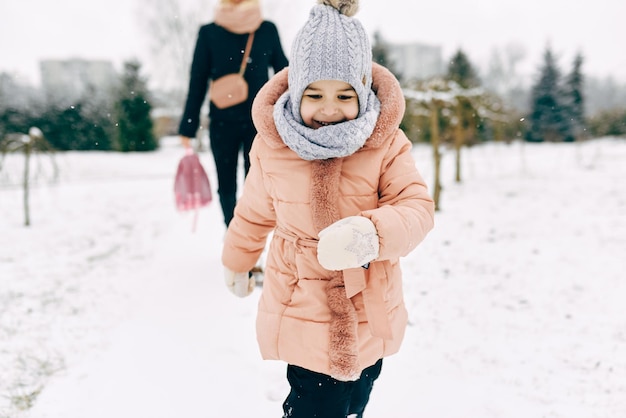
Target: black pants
x,y
228,138
318,395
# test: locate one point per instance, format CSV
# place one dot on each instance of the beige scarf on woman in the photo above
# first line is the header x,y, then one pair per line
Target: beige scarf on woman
x,y
244,17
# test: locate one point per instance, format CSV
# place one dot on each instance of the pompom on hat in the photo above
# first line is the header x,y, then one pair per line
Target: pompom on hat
x,y
332,45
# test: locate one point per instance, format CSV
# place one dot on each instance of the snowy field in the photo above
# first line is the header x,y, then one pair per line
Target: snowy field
x,y
111,307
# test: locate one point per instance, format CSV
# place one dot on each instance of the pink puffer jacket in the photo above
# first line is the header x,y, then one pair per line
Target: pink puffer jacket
x,y
297,318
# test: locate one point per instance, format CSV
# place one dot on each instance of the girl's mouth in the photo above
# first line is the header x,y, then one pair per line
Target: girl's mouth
x,y
322,123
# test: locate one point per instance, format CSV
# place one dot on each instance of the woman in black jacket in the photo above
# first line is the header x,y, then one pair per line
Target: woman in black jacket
x,y
219,51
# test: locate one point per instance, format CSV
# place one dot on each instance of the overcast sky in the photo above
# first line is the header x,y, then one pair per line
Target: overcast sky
x,y
31,30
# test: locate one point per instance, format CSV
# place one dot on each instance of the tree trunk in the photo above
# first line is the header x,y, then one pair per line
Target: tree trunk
x,y
27,149
434,141
458,142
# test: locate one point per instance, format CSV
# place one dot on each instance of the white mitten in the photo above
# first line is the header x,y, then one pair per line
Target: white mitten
x,y
348,243
241,284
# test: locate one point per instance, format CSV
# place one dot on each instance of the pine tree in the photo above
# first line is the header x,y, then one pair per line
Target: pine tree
x,y
574,99
135,127
380,53
379,50
461,70
549,117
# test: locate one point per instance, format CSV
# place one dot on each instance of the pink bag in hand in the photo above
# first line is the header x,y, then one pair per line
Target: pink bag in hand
x,y
191,185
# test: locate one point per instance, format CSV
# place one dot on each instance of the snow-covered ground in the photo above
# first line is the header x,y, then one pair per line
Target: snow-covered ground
x,y
110,306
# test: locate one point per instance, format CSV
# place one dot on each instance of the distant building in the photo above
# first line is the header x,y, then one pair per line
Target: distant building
x,y
415,60
73,78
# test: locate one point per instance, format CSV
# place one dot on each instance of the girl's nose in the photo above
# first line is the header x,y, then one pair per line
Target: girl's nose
x,y
329,108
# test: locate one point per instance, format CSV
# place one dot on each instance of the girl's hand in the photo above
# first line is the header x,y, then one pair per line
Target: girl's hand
x,y
348,243
240,284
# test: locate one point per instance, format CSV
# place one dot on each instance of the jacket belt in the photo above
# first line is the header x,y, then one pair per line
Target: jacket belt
x,y
297,241
368,282
358,280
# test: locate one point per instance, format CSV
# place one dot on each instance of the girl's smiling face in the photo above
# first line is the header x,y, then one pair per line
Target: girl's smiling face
x,y
328,102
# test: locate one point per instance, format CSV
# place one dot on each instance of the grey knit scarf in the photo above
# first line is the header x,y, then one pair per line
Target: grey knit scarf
x,y
331,141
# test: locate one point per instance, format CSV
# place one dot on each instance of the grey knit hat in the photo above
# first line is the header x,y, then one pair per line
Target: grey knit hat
x,y
332,45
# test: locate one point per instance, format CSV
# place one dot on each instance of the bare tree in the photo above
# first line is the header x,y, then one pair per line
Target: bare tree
x,y
452,113
33,142
435,142
171,28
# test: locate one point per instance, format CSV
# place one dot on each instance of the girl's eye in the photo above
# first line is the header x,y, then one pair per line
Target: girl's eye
x,y
346,98
314,96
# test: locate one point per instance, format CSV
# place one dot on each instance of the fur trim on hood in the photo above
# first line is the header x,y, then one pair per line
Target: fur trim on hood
x,y
384,84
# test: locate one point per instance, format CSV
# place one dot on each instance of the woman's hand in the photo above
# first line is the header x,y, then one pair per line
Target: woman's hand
x,y
185,141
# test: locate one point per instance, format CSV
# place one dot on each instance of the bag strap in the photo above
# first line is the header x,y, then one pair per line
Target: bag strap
x,y
246,54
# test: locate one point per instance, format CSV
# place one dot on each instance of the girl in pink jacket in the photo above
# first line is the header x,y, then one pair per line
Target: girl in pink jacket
x,y
333,178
